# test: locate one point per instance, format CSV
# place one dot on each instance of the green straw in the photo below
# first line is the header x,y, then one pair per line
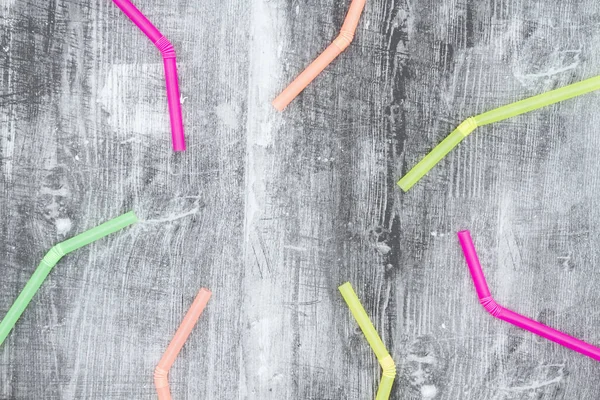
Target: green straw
x,y
385,360
51,259
498,114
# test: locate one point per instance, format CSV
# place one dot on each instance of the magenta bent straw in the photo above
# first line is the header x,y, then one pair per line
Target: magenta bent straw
x,y
485,298
170,63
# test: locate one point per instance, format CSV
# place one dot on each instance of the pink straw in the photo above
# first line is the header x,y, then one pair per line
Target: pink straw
x,y
170,63
485,298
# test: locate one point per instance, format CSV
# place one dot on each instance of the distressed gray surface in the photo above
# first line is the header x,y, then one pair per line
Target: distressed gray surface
x,y
274,211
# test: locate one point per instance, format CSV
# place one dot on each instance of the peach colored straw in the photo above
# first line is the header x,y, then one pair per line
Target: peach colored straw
x,y
166,362
335,49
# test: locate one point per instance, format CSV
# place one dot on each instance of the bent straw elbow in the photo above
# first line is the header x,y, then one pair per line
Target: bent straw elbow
x,y
166,48
53,256
388,375
344,40
491,306
388,366
161,378
161,383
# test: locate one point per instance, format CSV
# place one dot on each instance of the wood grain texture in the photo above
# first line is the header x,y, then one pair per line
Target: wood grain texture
x,y
273,211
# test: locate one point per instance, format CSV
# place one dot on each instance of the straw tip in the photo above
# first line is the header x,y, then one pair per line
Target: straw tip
x,y
345,286
278,104
404,185
133,218
464,236
205,291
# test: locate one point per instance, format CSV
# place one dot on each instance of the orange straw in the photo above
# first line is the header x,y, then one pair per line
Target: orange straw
x,y
166,362
335,49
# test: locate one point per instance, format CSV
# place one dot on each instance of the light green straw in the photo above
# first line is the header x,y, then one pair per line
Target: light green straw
x,y
499,114
385,360
50,260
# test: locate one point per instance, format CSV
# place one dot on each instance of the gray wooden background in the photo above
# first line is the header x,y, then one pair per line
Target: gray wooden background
x,y
273,211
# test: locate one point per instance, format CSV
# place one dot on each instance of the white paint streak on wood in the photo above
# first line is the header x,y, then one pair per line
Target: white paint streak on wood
x,y
267,340
273,211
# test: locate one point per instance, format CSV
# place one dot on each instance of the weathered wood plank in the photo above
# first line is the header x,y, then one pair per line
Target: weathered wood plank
x,y
90,139
274,211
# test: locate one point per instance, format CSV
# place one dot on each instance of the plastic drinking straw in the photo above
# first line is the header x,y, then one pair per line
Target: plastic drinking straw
x,y
385,360
170,64
183,332
316,67
498,114
51,259
485,298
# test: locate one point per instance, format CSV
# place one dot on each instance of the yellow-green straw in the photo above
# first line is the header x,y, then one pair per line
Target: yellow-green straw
x,y
498,114
51,259
384,358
